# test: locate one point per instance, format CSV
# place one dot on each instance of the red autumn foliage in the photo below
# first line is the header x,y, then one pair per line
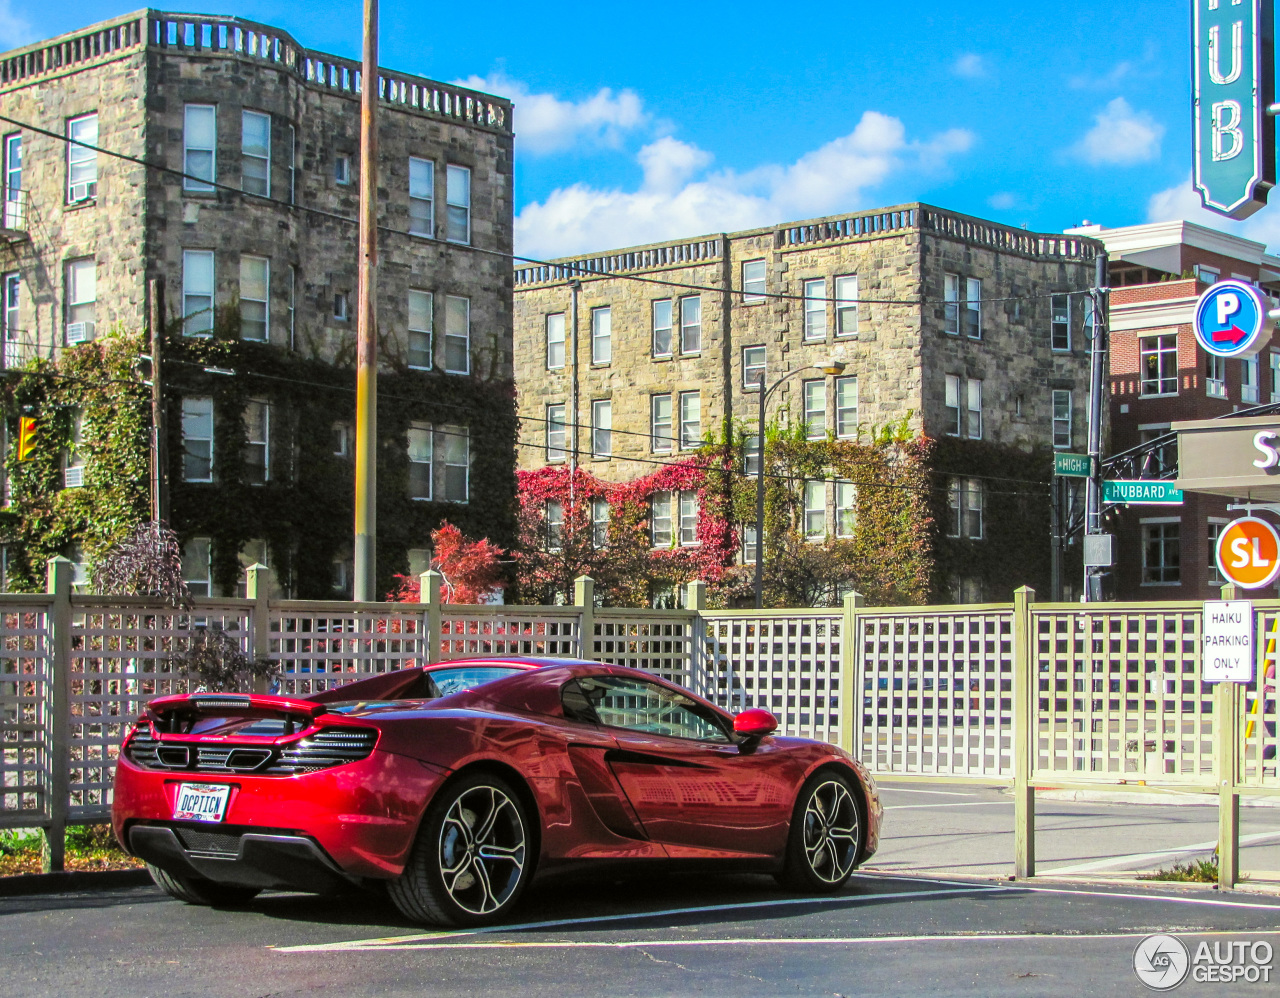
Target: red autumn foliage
x,y
471,569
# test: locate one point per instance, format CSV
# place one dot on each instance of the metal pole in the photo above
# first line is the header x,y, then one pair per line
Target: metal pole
x,y
1055,533
760,498
1097,399
366,527
159,460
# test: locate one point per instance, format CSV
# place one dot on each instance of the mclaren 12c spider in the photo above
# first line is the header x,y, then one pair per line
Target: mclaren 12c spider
x,y
456,783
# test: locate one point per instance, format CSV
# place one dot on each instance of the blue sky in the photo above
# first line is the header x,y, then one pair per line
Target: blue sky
x,y
639,122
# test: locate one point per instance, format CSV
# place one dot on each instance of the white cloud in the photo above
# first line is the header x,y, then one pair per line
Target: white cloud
x,y
970,65
678,199
1003,200
1182,202
14,30
1121,136
1102,81
544,123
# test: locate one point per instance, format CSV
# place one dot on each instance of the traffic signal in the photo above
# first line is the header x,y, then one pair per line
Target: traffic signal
x,y
26,437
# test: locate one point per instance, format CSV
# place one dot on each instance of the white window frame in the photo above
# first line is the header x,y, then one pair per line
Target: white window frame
x,y
264,301
688,513
81,283
847,407
973,405
690,420
663,327
78,157
456,438
971,311
602,428
1060,323
426,302
659,442
198,322
553,516
755,283
264,442
197,407
1062,427
452,335
1215,376
846,507
192,180
846,296
423,434
951,306
814,400
293,164
554,326
557,433
457,198
341,306
1273,359
1163,347
815,309
815,510
751,455
342,168
1213,528
691,308
748,367
951,401
245,116
660,520
1159,521
1249,377
293,307
191,561
599,523
602,336
750,550
422,192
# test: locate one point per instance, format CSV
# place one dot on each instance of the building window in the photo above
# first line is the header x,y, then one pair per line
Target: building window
x,y
753,359
753,282
340,439
82,299
751,455
1161,553
688,519
197,292
555,341
457,463
1215,376
1161,460
197,440
1090,319
602,428
750,550
951,296
690,420
599,523
964,501
815,409
815,310
660,519
847,408
1207,275
1159,364
601,335
972,311
422,179
691,324
197,566
13,352
293,165
846,508
341,305
1216,526
557,433
1273,360
974,395
255,286
660,438
953,406
255,152
420,458
555,525
257,448
1249,379
342,168
293,306
662,328
15,214
458,202
73,459
847,305
1061,419
199,146
815,510
82,162
419,561
457,335
1060,322
420,334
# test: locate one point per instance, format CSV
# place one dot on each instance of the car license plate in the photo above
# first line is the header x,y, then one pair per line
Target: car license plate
x,y
201,801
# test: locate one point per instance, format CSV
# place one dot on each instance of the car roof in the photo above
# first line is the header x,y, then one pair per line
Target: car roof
x,y
509,661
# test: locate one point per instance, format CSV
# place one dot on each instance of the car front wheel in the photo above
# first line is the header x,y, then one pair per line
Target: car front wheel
x,y
826,835
472,858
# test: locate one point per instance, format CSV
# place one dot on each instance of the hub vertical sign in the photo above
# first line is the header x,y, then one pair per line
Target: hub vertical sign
x,y
1234,84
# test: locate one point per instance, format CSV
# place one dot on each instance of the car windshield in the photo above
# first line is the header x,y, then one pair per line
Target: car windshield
x,y
456,680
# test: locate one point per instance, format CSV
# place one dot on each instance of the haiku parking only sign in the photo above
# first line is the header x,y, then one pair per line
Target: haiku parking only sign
x,y
1234,82
1227,642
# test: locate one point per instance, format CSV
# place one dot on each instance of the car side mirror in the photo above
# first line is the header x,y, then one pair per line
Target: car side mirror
x,y
755,723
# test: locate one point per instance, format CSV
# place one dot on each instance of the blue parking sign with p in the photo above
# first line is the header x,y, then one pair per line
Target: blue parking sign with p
x,y
1230,319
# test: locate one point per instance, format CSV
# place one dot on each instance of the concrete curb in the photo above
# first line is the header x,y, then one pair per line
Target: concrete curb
x,y
71,880
1162,798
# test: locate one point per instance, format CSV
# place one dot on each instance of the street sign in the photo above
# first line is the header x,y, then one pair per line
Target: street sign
x,y
1233,83
1248,552
1142,493
1230,319
1072,465
1226,642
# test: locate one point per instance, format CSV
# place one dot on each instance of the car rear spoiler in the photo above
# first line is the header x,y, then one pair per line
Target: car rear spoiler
x,y
233,705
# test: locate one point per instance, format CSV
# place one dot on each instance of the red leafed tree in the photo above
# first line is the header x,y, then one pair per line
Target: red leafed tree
x,y
471,569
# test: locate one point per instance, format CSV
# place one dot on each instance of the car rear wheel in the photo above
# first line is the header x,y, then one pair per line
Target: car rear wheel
x,y
472,858
826,835
204,892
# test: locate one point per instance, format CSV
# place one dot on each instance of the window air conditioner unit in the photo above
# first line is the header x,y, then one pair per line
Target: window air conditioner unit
x,y
73,478
79,332
82,192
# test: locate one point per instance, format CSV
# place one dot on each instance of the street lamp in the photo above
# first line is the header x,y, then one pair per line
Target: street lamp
x,y
831,367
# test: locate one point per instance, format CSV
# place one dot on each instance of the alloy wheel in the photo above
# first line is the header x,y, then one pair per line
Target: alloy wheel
x,y
482,849
831,832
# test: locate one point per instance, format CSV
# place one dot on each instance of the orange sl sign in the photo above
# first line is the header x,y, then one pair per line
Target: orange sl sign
x,y
1248,553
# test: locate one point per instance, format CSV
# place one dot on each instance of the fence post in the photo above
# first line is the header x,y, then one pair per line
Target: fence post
x,y
1226,746
701,679
257,587
1023,737
584,598
429,585
53,848
849,680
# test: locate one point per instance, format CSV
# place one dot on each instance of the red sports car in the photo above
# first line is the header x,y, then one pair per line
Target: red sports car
x,y
457,782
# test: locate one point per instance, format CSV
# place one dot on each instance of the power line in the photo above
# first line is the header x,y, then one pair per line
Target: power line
x,y
575,271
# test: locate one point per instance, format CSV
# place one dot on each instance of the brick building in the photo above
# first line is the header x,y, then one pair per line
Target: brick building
x,y
1160,375
961,327
88,238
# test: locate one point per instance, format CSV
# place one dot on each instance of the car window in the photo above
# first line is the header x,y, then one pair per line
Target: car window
x,y
623,702
455,680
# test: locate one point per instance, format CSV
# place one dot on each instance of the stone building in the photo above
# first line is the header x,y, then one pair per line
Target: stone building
x,y
1160,375
961,327
242,225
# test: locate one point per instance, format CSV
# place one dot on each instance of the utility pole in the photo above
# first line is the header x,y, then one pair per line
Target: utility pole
x,y
1097,401
159,438
366,526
